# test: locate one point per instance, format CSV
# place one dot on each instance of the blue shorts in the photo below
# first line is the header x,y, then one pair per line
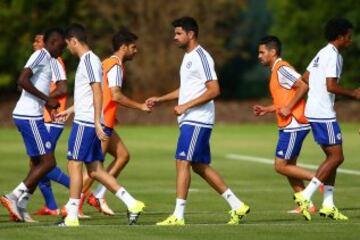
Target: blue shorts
x,y
55,131
35,135
108,131
326,133
83,144
194,144
290,143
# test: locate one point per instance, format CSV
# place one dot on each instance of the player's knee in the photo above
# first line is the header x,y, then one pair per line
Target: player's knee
x,y
280,166
93,174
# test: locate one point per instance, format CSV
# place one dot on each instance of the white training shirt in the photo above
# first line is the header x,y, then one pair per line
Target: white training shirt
x,y
89,71
115,76
196,69
287,77
57,70
320,104
29,105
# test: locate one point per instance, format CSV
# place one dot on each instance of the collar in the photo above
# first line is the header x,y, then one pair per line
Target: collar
x,y
276,61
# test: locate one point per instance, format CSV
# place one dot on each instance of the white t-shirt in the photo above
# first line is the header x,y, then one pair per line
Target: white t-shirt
x,y
320,104
89,71
287,77
57,70
196,69
29,105
115,76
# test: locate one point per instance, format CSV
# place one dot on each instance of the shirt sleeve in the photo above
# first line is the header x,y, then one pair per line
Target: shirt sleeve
x,y
287,77
57,70
36,60
333,67
207,66
115,76
93,69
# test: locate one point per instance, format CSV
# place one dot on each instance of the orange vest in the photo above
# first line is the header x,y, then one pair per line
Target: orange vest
x,y
62,99
109,106
282,96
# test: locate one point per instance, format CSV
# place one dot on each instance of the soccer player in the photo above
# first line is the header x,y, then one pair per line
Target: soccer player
x,y
196,113
323,74
125,49
28,116
58,90
87,132
287,90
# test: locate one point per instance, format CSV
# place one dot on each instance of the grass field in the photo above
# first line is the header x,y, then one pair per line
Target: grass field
x,y
150,176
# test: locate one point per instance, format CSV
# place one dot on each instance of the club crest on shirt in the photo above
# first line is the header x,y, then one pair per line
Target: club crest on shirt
x,y
188,65
48,145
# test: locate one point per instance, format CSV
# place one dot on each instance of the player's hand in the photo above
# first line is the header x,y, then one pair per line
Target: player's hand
x,y
100,132
259,110
284,112
145,108
52,103
151,102
180,109
63,116
357,94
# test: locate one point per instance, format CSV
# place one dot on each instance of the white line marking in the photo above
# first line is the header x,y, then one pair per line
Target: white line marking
x,y
271,162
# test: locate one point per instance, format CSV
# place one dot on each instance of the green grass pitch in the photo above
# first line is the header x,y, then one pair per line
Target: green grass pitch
x,y
150,176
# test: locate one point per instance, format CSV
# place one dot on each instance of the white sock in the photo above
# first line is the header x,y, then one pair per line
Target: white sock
x,y
179,208
313,185
328,196
231,199
100,191
72,208
124,196
24,200
19,190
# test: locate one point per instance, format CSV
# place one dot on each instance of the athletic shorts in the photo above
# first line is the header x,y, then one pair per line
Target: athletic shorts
x,y
55,131
83,144
35,135
290,143
326,133
194,144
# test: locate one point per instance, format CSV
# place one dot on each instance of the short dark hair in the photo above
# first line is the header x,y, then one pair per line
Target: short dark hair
x,y
337,27
49,32
77,31
271,42
188,24
123,36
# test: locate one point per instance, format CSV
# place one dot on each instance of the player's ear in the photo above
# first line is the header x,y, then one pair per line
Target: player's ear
x,y
273,52
191,34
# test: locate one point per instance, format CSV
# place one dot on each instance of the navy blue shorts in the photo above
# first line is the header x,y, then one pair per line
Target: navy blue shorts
x,y
290,143
83,144
194,144
326,133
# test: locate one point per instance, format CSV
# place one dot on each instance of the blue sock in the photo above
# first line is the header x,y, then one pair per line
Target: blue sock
x,y
45,188
59,176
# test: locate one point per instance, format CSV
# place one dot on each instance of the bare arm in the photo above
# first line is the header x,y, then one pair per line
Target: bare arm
x,y
260,110
25,83
305,77
60,90
97,99
333,87
118,96
212,91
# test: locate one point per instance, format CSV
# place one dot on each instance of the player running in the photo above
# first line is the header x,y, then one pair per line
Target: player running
x,y
196,116
287,90
323,75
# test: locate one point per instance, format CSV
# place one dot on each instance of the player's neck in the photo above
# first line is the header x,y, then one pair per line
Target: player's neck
x,y
82,50
119,56
335,44
192,45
